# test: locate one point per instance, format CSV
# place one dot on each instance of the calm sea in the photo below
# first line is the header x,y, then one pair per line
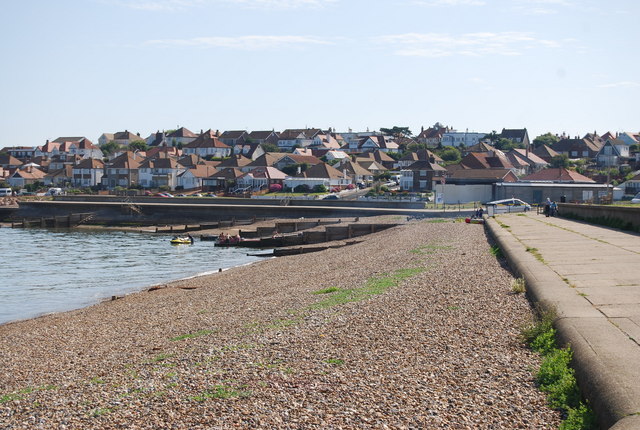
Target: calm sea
x,y
43,271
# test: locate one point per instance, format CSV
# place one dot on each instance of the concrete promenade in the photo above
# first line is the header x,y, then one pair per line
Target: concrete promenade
x,y
591,276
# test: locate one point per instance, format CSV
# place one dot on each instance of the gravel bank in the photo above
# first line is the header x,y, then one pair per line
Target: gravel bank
x,y
254,347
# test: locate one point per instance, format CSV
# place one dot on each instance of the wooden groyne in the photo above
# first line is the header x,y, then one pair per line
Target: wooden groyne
x,y
208,226
65,221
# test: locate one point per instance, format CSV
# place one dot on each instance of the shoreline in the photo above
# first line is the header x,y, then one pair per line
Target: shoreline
x,y
293,341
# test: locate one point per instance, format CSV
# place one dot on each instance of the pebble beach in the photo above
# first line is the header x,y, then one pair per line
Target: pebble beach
x,y
414,327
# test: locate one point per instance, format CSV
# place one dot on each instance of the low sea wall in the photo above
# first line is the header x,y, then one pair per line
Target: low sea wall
x,y
623,217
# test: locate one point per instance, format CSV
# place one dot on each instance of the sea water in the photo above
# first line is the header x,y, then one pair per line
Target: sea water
x,y
43,271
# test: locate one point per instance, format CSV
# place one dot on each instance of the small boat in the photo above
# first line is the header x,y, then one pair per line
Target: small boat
x,y
181,241
474,220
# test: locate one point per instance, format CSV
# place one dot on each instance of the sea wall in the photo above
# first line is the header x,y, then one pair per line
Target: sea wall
x,y
624,217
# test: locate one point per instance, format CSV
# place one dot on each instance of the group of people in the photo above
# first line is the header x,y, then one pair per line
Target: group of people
x,y
550,208
478,213
228,239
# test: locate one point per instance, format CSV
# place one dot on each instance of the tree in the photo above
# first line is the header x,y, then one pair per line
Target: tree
x,y
450,155
109,148
548,139
270,147
396,131
493,136
561,160
507,144
138,145
292,169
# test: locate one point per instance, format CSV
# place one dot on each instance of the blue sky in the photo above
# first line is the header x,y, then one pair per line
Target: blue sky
x,y
84,67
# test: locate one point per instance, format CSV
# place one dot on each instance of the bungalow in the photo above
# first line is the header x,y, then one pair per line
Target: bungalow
x,y
377,156
632,186
293,159
545,152
461,138
297,137
222,180
236,161
193,178
420,155
87,173
62,177
558,175
8,161
326,174
261,178
336,155
326,141
251,150
124,138
207,145
355,170
530,161
25,176
494,159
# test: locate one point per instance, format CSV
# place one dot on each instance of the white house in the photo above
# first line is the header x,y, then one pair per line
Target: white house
x,y
87,173
466,138
611,153
207,145
157,172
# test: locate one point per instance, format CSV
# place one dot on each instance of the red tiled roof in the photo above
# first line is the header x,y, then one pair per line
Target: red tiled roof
x,y
559,174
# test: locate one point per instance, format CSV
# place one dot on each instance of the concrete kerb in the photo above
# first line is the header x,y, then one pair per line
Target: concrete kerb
x,y
608,388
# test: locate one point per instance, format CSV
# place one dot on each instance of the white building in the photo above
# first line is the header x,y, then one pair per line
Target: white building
x,y
466,138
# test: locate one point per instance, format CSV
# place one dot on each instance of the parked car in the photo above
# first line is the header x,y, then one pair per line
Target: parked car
x,y
4,192
54,192
331,197
509,205
636,199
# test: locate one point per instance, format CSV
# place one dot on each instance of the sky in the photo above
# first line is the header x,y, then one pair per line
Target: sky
x,y
86,67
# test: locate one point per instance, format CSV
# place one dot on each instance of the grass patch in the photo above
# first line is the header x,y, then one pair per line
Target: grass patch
x,y
97,380
161,357
220,392
437,220
519,286
535,253
555,377
10,397
503,225
373,287
98,412
327,290
496,251
428,249
334,361
191,335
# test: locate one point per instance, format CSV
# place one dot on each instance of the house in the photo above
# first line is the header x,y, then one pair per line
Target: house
x,y
377,143
26,176
87,173
433,135
295,159
222,180
249,149
268,159
461,138
612,153
545,152
193,178
326,141
122,171
180,137
159,172
473,185
516,135
297,137
207,145
378,156
557,175
629,138
62,177
237,161
527,159
421,175
166,151
49,149
193,160
325,174
75,145
260,137
157,139
234,137
632,186
59,161
8,161
336,155
303,151
22,153
358,173
261,178
494,159
124,138
420,155
576,147
372,166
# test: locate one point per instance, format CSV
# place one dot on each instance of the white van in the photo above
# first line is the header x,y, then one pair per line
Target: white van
x,y
54,192
5,192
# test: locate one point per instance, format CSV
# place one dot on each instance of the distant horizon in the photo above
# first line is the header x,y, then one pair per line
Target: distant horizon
x,y
95,66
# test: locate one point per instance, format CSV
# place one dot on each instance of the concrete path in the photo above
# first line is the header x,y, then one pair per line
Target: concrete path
x,y
591,276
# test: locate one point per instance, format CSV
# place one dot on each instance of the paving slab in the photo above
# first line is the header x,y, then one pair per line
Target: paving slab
x,y
591,276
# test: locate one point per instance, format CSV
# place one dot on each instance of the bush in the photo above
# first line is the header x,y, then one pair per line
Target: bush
x,y
275,188
303,188
319,189
350,187
335,190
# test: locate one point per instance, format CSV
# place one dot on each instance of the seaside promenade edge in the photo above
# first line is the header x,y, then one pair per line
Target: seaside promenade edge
x,y
590,277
